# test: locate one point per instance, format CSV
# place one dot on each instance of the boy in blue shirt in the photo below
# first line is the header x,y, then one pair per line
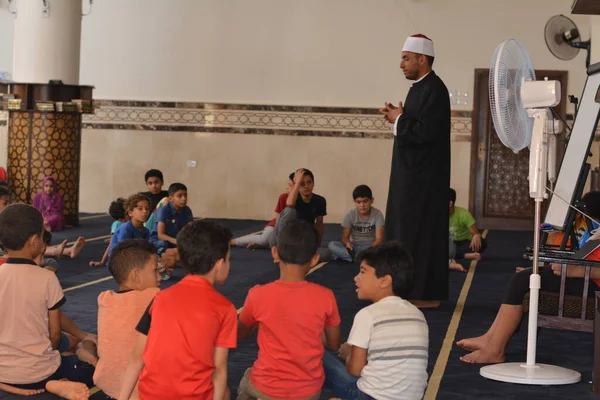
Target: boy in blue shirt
x,y
137,208
171,218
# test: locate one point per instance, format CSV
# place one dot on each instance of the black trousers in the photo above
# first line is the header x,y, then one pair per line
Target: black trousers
x,y
463,247
518,286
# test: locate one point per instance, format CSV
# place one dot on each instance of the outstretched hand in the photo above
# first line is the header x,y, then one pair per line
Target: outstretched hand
x,y
390,112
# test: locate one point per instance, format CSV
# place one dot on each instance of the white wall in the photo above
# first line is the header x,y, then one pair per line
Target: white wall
x,y
310,52
336,52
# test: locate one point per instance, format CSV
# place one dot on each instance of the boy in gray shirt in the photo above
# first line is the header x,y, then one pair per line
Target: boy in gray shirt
x,y
363,227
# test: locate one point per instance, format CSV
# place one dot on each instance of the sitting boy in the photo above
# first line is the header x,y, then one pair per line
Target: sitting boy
x,y
171,218
136,208
188,329
386,355
154,182
134,266
303,204
363,227
30,321
464,233
261,239
291,315
117,211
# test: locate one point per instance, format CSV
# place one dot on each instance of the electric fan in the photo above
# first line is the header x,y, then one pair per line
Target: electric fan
x,y
563,40
520,112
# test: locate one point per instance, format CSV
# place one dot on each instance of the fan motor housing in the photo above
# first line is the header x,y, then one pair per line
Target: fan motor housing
x,y
538,94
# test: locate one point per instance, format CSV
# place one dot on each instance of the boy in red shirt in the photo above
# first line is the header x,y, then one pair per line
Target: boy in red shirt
x,y
292,315
188,329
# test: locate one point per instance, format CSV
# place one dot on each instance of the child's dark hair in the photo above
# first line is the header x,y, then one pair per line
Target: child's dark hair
x,y
153,173
306,172
591,204
127,255
201,244
176,187
297,242
391,258
4,188
309,173
453,196
133,200
18,223
117,209
47,237
362,191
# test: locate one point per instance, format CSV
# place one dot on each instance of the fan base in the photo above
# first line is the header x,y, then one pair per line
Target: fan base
x,y
538,374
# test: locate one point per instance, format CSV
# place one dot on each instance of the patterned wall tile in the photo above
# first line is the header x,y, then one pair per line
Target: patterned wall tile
x,y
249,119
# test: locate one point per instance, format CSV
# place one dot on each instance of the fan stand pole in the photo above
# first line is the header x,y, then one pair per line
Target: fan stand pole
x,y
530,373
534,288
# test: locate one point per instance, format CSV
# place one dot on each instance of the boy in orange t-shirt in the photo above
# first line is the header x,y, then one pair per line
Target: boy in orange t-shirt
x,y
292,315
134,265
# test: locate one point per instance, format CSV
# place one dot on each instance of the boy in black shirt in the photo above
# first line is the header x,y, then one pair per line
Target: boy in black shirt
x,y
303,204
154,182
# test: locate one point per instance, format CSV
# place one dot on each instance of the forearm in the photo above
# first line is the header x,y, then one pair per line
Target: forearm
x,y
320,227
345,240
377,241
292,197
105,255
165,237
219,379
55,340
67,325
474,231
130,378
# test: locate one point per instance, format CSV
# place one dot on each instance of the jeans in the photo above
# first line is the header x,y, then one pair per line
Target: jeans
x,y
260,239
339,380
162,245
340,252
464,246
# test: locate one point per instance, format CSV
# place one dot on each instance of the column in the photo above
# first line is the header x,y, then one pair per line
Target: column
x,y
44,129
47,41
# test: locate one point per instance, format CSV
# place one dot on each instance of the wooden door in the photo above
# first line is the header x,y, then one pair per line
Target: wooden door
x,y
499,188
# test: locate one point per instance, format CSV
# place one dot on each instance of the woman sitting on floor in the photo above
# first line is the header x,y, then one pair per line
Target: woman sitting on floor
x,y
489,348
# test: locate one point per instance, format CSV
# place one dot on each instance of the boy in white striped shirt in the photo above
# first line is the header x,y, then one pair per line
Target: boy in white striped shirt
x,y
388,346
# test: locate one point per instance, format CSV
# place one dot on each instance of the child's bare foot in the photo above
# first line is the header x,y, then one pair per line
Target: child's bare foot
x,y
519,269
475,343
77,247
454,266
85,355
252,246
483,356
68,390
473,256
21,392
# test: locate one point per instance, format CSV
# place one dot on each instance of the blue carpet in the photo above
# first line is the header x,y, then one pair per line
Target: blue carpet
x,y
251,267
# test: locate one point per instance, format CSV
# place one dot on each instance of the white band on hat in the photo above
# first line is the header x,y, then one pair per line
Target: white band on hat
x,y
419,45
